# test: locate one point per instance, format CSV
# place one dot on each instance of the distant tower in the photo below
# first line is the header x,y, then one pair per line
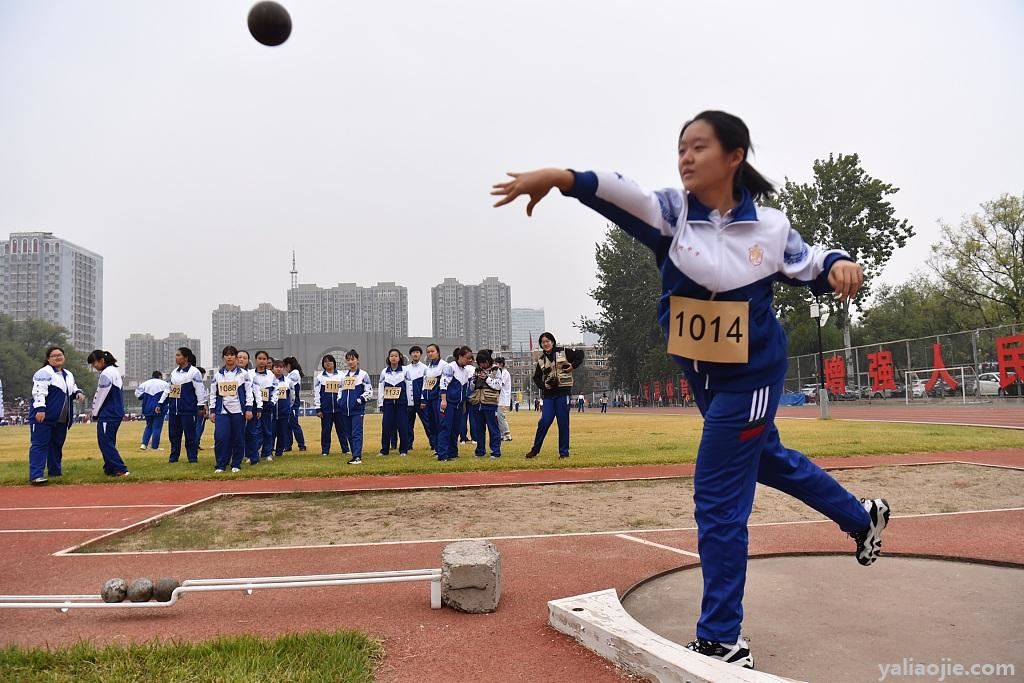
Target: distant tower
x,y
295,272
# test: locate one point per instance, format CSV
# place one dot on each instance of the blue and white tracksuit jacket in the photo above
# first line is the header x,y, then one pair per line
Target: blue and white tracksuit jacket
x,y
193,392
108,412
150,393
736,257
51,390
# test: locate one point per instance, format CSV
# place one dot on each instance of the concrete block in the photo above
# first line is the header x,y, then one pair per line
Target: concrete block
x,y
471,576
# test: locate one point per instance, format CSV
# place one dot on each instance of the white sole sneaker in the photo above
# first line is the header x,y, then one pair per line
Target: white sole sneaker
x,y
235,470
737,653
869,541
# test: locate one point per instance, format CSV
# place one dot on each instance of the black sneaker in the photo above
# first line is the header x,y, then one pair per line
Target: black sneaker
x,y
869,541
731,653
355,461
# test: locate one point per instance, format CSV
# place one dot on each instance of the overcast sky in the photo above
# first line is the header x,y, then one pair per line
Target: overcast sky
x,y
161,135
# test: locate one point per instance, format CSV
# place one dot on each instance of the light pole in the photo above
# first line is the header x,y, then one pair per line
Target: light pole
x,y
819,320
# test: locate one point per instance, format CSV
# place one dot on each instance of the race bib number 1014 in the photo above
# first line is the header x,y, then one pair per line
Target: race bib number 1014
x,y
713,331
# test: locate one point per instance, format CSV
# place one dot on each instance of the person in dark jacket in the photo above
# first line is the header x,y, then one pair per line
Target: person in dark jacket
x,y
553,376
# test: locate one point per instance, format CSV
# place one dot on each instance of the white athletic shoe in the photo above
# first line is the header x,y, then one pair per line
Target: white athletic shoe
x,y
218,471
235,470
269,458
731,653
869,541
142,447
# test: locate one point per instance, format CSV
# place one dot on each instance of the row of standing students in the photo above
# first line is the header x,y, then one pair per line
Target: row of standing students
x,y
444,396
254,410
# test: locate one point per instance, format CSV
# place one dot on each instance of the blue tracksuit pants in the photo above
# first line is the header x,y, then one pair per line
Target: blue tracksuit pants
x,y
151,434
448,434
552,410
268,427
352,433
486,422
183,426
229,440
395,423
330,421
740,447
106,438
47,449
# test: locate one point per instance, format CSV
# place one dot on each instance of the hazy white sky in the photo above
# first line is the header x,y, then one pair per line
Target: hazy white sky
x,y
195,159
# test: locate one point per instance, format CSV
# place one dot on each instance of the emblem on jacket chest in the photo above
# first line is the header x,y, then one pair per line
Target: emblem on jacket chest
x,y
756,254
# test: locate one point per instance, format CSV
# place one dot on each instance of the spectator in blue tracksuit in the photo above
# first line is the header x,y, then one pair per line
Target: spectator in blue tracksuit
x,y
282,409
415,371
294,371
720,255
51,415
455,379
356,390
231,407
393,400
553,376
263,382
253,429
108,411
326,395
485,390
150,392
182,401
431,396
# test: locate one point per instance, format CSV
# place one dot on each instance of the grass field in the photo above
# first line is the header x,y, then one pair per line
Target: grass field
x,y
347,656
618,438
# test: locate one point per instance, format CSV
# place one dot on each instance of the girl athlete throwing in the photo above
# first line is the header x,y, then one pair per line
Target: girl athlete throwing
x,y
719,254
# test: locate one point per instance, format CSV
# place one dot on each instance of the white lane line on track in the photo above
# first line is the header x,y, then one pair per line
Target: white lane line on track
x,y
88,507
47,531
678,551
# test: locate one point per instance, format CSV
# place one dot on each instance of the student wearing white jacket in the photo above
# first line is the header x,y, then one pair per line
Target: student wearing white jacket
x,y
231,407
263,382
253,428
150,392
393,400
326,392
51,415
504,399
108,411
182,401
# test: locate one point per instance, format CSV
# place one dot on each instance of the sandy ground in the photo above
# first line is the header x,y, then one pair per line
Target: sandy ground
x,y
313,519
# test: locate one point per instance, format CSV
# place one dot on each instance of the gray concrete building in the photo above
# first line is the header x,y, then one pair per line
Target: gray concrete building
x,y
527,324
478,314
44,277
144,353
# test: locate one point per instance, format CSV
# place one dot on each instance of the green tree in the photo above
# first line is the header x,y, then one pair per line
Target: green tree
x,y
845,208
627,292
23,345
982,260
920,307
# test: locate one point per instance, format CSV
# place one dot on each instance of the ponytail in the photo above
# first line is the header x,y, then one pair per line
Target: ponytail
x,y
107,358
749,179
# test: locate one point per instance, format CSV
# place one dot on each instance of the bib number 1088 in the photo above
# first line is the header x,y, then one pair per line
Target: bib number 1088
x,y
713,331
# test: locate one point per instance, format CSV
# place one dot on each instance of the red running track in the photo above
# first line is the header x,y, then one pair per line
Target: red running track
x,y
422,644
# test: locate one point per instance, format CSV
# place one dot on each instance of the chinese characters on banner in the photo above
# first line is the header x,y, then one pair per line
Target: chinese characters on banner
x,y
835,375
940,371
684,388
647,392
670,389
657,391
881,371
1010,354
